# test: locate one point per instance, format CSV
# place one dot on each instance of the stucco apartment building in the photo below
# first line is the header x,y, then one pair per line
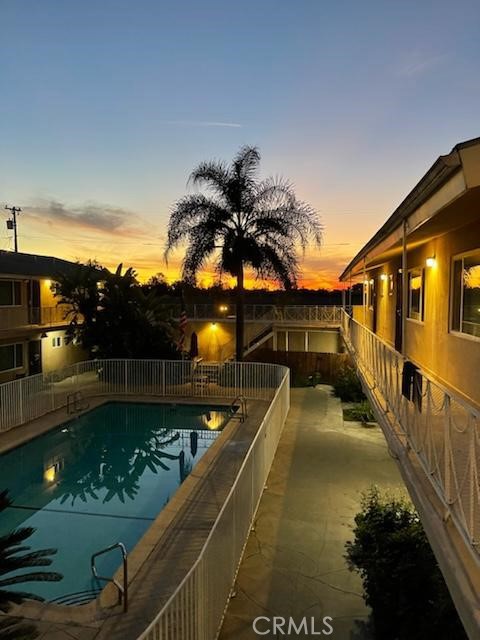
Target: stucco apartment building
x,y
421,273
32,325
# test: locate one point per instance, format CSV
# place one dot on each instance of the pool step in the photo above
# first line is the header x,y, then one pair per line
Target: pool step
x,y
77,598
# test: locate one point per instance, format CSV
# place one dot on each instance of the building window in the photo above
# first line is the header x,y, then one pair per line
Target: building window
x,y
416,294
11,356
56,342
466,294
10,293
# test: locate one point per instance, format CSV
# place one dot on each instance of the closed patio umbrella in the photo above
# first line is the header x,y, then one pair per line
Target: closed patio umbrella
x,y
193,346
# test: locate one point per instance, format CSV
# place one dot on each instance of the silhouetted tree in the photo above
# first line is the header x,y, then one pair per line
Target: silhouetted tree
x,y
242,223
113,317
15,556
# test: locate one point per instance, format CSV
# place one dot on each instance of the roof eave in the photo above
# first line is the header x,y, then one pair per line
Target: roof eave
x,y
438,174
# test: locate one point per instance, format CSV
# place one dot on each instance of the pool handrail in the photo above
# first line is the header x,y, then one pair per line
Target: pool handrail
x,y
122,589
243,414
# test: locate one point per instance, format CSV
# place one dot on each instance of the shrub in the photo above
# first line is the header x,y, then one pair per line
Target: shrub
x,y
347,386
360,412
401,579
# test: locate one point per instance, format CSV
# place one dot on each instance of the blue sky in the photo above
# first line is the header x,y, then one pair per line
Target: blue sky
x,y
107,106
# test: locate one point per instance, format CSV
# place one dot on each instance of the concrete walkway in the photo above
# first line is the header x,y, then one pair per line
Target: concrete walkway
x,y
294,561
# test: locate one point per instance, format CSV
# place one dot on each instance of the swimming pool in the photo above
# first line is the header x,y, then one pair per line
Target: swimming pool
x,y
101,478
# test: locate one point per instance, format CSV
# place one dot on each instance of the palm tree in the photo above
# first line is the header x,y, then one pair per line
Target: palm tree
x,y
242,222
14,556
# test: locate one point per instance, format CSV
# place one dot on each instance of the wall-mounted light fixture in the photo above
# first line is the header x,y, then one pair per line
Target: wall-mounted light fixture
x,y
431,262
383,276
223,308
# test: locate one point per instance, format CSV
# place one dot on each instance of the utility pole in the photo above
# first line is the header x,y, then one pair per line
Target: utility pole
x,y
12,224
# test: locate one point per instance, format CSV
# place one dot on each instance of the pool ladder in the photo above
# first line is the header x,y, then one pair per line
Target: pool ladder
x,y
122,589
243,413
76,402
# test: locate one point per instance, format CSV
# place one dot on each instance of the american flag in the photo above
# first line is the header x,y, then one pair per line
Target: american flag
x,y
183,326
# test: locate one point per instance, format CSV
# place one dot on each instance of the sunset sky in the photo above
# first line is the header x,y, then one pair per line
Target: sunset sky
x,y
107,106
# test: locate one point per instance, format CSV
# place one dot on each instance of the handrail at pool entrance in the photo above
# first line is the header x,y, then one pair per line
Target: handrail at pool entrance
x,y
74,401
122,589
243,413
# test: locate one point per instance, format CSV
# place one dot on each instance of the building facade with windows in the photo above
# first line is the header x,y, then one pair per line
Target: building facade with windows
x,y
415,342
32,325
421,273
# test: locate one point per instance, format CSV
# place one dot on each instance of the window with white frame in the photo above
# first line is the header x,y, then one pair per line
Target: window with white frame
x,y
11,356
465,295
10,293
416,294
56,342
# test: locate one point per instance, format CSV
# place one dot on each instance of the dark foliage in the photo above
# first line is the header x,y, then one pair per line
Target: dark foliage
x,y
15,555
401,579
112,316
347,386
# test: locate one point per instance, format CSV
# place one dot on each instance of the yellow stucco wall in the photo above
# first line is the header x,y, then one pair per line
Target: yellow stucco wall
x,y
453,359
58,357
216,340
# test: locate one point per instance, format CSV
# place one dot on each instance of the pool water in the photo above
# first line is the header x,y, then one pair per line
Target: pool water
x,y
101,478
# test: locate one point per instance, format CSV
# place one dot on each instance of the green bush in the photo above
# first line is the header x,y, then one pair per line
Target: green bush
x,y
347,386
360,412
402,582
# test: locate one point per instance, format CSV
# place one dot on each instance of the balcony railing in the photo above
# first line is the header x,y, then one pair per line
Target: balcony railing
x,y
327,314
25,317
442,429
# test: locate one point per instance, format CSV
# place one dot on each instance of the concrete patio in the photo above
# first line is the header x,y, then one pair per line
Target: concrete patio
x,y
294,560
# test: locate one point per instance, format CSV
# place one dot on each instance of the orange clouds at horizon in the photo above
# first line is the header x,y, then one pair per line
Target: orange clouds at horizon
x,y
112,236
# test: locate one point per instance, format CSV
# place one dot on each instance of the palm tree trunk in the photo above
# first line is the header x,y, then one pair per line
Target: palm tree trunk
x,y
240,318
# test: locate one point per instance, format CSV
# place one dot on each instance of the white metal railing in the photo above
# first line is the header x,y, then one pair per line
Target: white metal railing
x,y
29,398
329,314
441,428
195,610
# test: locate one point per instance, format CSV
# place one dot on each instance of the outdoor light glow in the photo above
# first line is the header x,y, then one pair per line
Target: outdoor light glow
x,y
431,262
213,326
223,308
50,473
383,276
213,420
